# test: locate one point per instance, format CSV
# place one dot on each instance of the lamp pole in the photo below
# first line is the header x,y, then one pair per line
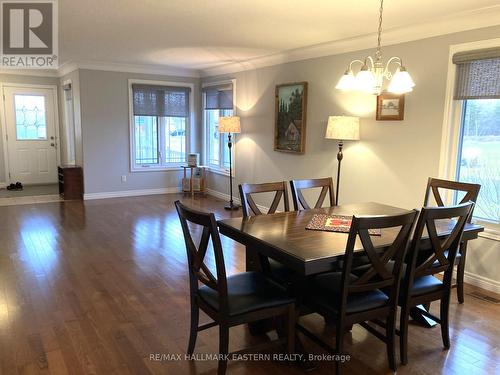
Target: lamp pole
x,y
231,206
340,156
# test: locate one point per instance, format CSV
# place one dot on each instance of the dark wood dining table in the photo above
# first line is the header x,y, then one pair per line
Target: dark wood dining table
x,y
283,236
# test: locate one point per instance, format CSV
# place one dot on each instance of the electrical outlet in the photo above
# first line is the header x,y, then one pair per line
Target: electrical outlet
x,y
124,178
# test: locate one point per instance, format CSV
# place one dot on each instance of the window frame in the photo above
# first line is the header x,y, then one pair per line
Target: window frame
x,y
161,128
219,169
452,130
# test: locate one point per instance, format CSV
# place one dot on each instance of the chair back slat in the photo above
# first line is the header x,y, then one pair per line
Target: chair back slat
x,y
384,268
434,184
248,203
438,254
198,269
300,203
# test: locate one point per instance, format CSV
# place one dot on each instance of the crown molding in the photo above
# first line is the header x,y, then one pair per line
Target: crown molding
x,y
31,72
163,70
71,66
464,21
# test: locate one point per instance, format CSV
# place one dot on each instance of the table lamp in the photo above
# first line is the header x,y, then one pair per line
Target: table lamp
x,y
230,124
342,128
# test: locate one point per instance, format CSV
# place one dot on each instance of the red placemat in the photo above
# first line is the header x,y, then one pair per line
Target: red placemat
x,y
335,223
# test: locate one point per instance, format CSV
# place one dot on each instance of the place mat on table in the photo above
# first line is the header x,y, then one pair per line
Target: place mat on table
x,y
335,223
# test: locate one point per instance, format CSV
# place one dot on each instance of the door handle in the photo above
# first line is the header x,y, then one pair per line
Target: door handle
x,y
52,137
53,145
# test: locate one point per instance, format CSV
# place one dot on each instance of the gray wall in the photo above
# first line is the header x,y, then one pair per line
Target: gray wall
x,y
22,79
392,161
105,133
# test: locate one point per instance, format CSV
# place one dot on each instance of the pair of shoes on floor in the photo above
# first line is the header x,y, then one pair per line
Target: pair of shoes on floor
x,y
17,186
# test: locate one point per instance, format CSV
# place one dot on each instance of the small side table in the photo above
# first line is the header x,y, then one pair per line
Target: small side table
x,y
194,183
70,182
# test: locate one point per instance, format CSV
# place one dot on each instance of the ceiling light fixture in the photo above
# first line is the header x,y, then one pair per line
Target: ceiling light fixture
x,y
370,78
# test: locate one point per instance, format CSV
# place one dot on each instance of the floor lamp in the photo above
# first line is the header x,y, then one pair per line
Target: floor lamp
x,y
230,125
342,128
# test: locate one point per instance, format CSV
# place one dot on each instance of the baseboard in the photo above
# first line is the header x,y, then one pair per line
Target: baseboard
x,y
3,185
482,282
223,196
131,193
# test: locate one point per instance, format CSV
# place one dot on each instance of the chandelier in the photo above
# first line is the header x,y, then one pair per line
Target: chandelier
x,y
370,78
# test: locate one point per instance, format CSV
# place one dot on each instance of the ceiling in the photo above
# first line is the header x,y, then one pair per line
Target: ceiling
x,y
202,34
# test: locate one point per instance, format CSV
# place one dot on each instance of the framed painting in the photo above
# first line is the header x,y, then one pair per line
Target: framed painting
x,y
290,117
390,107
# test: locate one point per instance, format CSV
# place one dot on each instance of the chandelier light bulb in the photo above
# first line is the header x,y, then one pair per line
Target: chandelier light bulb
x,y
401,82
347,82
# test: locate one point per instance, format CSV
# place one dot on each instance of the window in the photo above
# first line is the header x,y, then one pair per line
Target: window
x,y
217,102
30,117
160,118
477,90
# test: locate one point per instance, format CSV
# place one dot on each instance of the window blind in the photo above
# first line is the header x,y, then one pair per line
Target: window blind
x,y
219,96
478,74
150,100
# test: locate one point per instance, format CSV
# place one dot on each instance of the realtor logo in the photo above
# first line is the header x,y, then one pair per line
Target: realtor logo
x,y
29,34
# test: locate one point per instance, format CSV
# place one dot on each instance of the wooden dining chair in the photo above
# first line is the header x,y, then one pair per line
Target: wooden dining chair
x,y
426,259
269,266
247,191
351,299
228,300
471,193
299,201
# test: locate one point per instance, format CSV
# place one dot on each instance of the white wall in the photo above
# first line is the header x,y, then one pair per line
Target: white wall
x,y
392,161
21,79
104,98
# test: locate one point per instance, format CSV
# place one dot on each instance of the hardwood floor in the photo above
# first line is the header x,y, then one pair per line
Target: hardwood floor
x,y
101,288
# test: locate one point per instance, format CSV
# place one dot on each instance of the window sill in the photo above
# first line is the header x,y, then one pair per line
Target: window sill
x,y
220,171
156,169
490,234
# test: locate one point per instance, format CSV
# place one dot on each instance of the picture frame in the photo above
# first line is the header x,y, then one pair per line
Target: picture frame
x,y
290,117
390,107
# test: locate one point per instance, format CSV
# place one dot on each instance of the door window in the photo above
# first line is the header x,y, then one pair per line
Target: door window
x,y
30,117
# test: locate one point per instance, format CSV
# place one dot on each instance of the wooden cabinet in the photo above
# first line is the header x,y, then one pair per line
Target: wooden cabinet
x,y
70,181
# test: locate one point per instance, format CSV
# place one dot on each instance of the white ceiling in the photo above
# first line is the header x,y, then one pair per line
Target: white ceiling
x,y
202,34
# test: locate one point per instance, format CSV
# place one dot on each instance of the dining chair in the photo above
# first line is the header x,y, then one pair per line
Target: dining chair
x,y
471,193
251,208
228,300
269,266
426,259
355,299
299,201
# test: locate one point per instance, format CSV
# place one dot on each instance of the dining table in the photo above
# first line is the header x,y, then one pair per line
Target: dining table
x,y
283,237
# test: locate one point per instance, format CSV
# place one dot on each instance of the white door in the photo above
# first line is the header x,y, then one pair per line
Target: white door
x,y
31,135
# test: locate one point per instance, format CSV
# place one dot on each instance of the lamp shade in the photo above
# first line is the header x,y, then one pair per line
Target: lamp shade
x,y
345,128
229,124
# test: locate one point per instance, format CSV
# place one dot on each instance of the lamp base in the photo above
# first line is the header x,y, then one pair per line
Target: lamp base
x,y
231,207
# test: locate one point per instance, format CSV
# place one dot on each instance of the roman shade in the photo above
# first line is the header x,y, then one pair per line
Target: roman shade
x,y
219,96
478,74
164,101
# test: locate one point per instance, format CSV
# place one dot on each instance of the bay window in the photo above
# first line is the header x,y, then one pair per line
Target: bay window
x,y
217,102
160,117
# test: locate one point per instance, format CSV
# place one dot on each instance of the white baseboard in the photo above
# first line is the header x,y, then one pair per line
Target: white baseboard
x,y
482,282
223,196
3,185
131,193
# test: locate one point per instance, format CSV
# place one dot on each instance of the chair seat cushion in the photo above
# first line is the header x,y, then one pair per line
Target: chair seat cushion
x,y
325,291
248,291
425,284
